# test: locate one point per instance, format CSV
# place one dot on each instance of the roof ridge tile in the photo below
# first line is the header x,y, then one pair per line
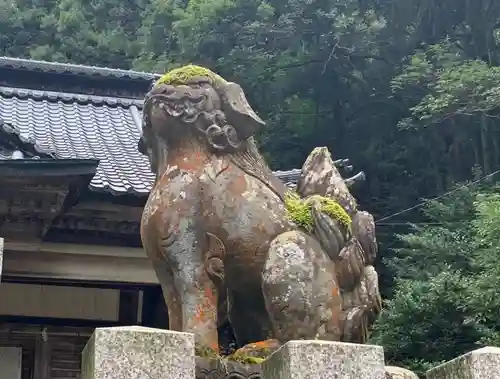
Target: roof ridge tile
x,y
54,96
75,69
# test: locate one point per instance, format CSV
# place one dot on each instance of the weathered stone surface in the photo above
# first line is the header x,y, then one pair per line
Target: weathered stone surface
x,y
297,305
320,177
325,360
138,353
393,372
478,364
353,250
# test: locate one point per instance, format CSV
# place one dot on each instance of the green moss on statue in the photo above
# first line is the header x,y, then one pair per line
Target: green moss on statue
x,y
182,75
300,210
334,210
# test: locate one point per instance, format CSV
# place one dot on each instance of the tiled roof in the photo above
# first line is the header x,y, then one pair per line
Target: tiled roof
x,y
74,126
10,154
290,177
68,98
66,68
70,126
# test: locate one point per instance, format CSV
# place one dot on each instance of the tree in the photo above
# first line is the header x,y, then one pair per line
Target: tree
x,y
427,322
446,297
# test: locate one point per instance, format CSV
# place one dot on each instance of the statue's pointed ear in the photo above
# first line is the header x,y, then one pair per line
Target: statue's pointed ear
x,y
238,112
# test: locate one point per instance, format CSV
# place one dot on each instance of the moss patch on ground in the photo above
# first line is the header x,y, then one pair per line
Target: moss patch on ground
x,y
183,75
206,352
300,210
209,353
245,359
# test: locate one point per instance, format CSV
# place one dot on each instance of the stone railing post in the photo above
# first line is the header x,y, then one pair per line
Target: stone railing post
x,y
138,353
478,364
325,360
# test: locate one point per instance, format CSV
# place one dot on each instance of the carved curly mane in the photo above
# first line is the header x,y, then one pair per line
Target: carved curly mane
x,y
251,162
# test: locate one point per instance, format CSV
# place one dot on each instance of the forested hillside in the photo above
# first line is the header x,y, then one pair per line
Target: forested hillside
x,y
409,90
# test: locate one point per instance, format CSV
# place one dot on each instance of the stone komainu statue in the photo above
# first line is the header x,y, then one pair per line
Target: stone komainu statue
x,y
220,228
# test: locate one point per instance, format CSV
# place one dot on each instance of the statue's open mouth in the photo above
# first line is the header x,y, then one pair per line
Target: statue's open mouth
x,y
185,106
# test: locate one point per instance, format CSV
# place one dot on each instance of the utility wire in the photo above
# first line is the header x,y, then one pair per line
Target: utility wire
x,y
420,223
437,197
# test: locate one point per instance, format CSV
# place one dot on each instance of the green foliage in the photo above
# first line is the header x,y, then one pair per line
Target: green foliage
x,y
453,86
443,240
446,298
427,322
487,255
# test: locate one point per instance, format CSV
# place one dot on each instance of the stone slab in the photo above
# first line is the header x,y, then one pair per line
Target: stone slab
x,y
1,258
138,353
478,364
325,360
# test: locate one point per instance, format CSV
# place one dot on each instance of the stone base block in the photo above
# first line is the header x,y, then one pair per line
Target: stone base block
x,y
138,353
479,364
325,360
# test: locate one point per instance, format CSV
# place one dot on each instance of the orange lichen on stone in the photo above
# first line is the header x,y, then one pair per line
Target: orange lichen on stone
x,y
256,352
214,346
335,291
262,344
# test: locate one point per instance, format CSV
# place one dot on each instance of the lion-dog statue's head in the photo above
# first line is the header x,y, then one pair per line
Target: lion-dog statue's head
x,y
193,103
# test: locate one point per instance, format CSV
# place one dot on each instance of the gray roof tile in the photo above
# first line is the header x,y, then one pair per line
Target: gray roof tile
x,y
74,126
83,130
10,154
65,97
67,68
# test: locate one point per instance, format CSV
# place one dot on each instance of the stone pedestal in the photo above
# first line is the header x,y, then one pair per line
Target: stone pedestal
x,y
138,353
1,258
325,360
479,364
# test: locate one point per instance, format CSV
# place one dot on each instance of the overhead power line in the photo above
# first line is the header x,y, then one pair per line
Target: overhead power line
x,y
437,197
